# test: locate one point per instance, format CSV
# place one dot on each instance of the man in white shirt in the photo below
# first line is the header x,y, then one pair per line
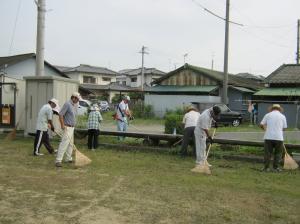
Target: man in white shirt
x,y
273,123
122,116
189,121
44,121
202,132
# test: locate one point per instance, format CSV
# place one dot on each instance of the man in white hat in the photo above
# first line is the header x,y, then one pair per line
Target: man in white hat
x,y
67,122
93,127
44,121
274,123
123,113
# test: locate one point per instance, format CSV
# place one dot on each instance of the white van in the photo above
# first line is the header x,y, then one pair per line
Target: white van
x,y
83,107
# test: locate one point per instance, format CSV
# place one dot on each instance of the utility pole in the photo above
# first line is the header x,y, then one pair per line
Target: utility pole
x,y
143,52
40,37
184,57
298,43
225,81
212,61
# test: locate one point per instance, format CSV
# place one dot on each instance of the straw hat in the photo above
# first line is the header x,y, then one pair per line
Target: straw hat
x,y
276,107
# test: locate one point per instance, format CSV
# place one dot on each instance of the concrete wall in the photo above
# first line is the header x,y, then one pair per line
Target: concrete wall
x,y
39,90
290,111
161,103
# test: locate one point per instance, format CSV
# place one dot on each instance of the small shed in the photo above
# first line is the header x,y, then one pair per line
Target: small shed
x,y
283,87
39,90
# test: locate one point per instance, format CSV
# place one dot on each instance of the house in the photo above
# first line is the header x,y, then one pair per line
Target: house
x,y
87,74
107,91
190,83
13,70
132,77
283,87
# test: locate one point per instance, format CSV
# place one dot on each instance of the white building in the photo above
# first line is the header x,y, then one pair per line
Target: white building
x,y
87,74
13,69
132,77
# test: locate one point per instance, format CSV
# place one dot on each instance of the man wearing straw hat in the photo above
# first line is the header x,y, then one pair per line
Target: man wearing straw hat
x,y
44,121
189,121
67,122
93,127
273,123
202,132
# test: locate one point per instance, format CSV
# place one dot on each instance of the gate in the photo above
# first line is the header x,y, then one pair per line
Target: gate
x,y
7,105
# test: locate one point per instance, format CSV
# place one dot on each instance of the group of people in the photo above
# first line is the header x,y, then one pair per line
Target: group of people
x,y
67,121
196,126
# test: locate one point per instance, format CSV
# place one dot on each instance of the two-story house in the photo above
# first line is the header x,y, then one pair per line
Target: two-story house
x,y
133,77
87,74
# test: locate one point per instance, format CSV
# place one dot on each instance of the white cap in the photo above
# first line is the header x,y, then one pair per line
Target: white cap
x,y
127,98
77,95
55,101
56,109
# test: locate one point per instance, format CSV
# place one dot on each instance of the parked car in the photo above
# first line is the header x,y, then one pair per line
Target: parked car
x,y
83,107
104,106
229,117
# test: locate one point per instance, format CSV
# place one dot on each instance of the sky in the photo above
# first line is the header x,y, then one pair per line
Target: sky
x,y
111,33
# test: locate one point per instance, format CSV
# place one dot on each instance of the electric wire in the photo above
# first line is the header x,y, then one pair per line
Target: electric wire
x,y
14,28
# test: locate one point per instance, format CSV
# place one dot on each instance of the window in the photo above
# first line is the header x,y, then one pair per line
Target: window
x,y
106,79
89,79
83,104
134,79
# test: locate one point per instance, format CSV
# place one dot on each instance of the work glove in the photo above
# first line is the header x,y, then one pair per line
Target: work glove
x,y
209,140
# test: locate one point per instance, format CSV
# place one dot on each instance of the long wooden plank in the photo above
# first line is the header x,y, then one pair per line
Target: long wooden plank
x,y
174,138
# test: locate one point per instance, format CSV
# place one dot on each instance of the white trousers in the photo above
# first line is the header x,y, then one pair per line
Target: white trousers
x,y
200,143
65,145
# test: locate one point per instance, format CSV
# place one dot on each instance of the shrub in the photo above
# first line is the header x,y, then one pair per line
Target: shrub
x,y
142,111
173,120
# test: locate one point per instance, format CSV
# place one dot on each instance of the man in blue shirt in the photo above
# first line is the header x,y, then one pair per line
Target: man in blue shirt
x,y
67,121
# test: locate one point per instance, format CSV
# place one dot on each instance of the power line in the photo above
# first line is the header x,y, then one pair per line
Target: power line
x,y
14,29
214,14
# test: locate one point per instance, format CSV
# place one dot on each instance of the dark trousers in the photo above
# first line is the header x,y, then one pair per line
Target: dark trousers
x,y
269,146
42,137
93,138
188,134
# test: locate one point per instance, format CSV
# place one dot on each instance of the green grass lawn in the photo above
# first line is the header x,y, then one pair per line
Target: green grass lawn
x,y
140,187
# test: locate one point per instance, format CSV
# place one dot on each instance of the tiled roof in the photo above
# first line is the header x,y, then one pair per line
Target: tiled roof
x,y
286,91
138,71
177,89
285,74
91,69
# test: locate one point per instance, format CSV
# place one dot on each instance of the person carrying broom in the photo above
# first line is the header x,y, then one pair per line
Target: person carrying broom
x,y
274,123
67,122
44,121
202,133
